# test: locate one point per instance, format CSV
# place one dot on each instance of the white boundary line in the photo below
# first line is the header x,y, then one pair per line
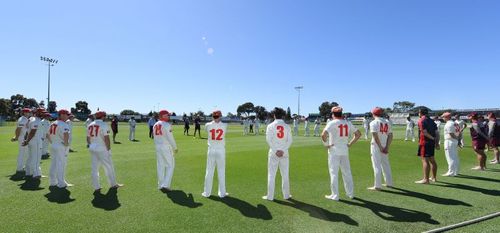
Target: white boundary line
x,y
450,227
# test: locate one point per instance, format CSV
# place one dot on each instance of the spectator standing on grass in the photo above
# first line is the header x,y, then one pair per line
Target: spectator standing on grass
x,y
114,127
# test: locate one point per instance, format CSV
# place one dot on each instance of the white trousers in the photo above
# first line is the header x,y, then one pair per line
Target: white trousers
x,y
21,156
58,166
216,157
334,163
34,158
367,131
165,164
245,130
131,135
409,132
274,162
256,130
296,131
45,146
316,130
102,158
307,133
451,153
380,162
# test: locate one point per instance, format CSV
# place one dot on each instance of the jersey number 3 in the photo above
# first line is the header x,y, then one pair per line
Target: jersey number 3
x,y
281,131
219,133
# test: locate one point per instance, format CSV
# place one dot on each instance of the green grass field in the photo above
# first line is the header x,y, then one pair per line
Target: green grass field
x,y
140,207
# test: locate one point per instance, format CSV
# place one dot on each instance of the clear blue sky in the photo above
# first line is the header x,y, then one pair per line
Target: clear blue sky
x,y
190,55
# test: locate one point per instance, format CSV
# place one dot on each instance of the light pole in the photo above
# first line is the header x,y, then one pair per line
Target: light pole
x,y
50,62
298,105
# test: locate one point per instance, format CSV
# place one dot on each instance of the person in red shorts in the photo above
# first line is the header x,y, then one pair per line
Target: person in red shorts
x,y
479,137
494,134
428,142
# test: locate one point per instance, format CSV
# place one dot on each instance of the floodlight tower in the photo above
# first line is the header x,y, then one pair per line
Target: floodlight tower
x,y
50,62
298,89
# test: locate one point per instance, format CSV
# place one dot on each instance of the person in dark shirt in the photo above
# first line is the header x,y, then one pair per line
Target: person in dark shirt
x,y
197,126
114,128
428,142
494,134
186,125
478,133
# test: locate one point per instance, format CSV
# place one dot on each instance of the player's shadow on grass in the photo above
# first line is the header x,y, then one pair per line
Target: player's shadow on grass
x,y
59,195
31,184
181,198
18,176
492,170
392,213
429,198
108,201
490,192
246,209
318,212
478,178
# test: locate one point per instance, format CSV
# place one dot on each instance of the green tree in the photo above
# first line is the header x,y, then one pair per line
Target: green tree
x,y
52,106
260,112
246,109
5,107
81,108
325,109
402,106
288,115
127,112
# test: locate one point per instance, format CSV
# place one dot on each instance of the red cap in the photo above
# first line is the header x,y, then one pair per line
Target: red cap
x,y
40,110
217,113
377,111
446,115
163,112
100,114
26,110
337,109
63,111
47,114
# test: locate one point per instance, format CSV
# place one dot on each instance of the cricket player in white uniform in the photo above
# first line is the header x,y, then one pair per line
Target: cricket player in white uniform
x,y
246,125
279,139
89,120
132,124
410,126
69,122
216,156
165,150
317,124
100,150
451,136
335,137
44,127
19,136
381,130
366,126
296,126
461,123
256,126
58,136
438,124
34,143
306,128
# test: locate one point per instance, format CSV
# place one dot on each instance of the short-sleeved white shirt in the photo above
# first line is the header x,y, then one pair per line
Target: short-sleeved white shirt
x,y
56,133
339,131
163,136
216,134
382,127
96,131
451,128
22,123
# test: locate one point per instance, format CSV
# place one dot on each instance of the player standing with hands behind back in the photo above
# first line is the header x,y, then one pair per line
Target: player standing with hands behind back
x,y
381,130
336,138
100,149
279,139
216,156
165,150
